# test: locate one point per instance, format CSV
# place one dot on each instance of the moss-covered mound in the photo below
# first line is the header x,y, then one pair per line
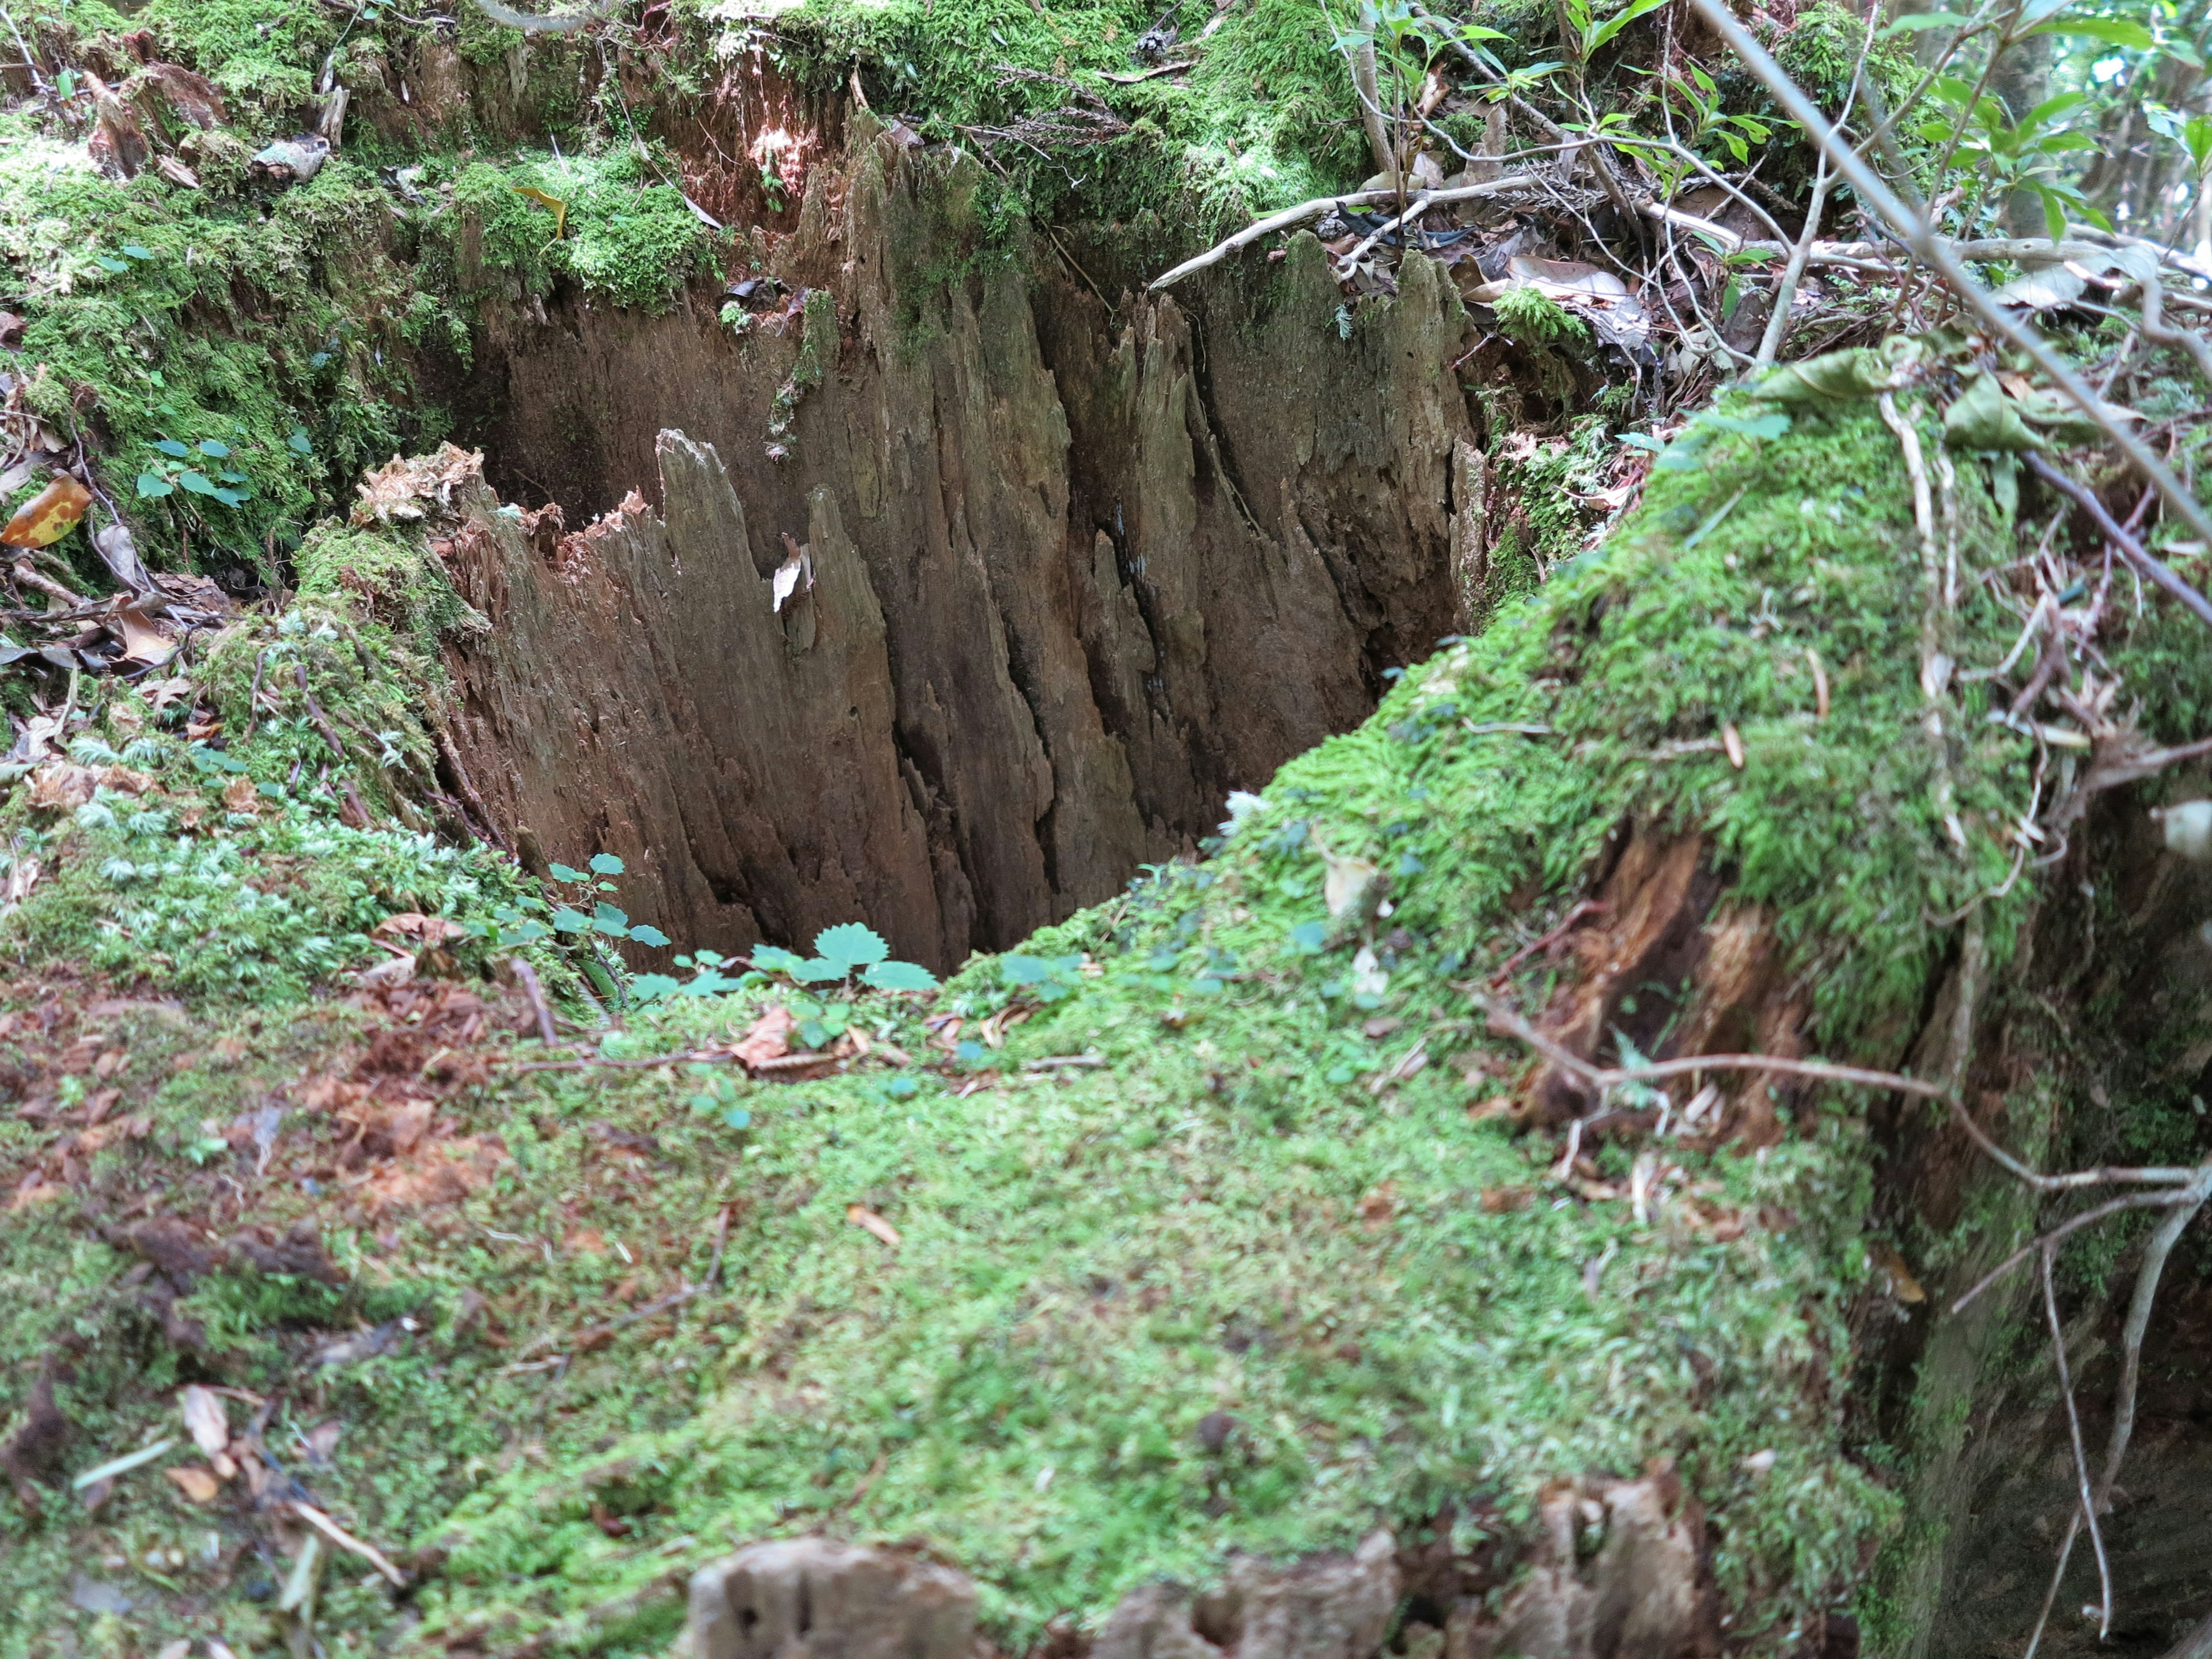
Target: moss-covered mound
x,y
1212,1229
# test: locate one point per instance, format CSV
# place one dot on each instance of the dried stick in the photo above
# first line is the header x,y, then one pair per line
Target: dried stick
x,y
2124,1406
1351,261
2080,1457
1366,84
322,720
1289,217
1914,230
2131,549
2197,1644
2071,1225
2156,329
1785,291
1505,1022
526,976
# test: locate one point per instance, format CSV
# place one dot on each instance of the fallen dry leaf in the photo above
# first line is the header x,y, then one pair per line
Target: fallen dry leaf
x,y
1379,1206
49,515
1503,1201
413,924
448,1172
240,795
768,1038
197,1484
859,1216
204,1418
1906,1288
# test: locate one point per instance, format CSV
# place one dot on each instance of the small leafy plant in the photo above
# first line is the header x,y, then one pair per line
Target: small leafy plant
x,y
840,954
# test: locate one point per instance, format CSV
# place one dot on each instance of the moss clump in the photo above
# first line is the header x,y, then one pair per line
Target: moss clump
x,y
241,356
1535,319
624,234
1264,117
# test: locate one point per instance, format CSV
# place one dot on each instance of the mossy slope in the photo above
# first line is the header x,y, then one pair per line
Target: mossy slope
x,y
1250,1199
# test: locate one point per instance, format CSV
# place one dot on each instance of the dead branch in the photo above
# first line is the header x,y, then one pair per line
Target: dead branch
x,y
2162,1241
2074,1431
1505,1022
1289,218
559,22
2131,549
2157,329
526,976
1913,229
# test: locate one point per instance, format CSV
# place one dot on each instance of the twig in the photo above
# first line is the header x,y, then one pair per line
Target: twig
x,y
2066,1229
254,696
2074,1429
2131,549
526,976
1913,229
2197,1644
680,1057
1730,241
721,1237
1506,1023
1785,291
1351,261
344,1540
673,1299
1582,908
314,708
2155,328
1146,75
565,22
1054,1062
2162,1240
1289,217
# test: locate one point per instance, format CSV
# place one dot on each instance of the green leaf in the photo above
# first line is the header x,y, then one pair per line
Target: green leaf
x,y
611,921
151,485
171,447
851,944
215,447
231,497
899,977
1913,22
1018,969
606,864
562,872
300,443
198,483
774,959
136,252
1308,937
1613,26
816,971
569,920
108,262
646,933
738,1118
2123,32
652,987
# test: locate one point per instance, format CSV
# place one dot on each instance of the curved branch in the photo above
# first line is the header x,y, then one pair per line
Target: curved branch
x,y
559,22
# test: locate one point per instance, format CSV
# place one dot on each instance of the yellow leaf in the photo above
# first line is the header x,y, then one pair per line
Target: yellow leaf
x,y
560,208
197,1484
860,1215
48,515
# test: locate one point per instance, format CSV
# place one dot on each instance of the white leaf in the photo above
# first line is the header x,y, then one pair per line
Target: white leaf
x,y
789,576
204,1417
1368,978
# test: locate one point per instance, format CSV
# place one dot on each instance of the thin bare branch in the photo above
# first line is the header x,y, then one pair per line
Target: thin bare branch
x,y
1289,218
1919,235
2131,549
2074,1431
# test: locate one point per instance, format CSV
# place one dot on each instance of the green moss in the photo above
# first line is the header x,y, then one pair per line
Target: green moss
x,y
626,236
1535,320
261,338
